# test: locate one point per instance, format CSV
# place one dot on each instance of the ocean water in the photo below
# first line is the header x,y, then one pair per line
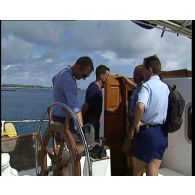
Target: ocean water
x,y
28,103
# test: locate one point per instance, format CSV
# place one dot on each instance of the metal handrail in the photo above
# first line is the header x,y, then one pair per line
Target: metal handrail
x,y
25,121
3,122
78,128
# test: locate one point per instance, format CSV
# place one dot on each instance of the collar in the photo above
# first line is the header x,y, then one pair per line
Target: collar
x,y
97,83
155,77
138,85
70,70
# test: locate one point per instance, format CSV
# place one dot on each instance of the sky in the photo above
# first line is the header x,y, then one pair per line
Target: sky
x,y
34,51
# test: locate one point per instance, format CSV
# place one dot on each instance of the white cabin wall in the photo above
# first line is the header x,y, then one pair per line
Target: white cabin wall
x,y
178,155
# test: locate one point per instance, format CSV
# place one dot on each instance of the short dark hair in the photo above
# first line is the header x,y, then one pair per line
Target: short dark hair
x,y
154,63
84,62
101,69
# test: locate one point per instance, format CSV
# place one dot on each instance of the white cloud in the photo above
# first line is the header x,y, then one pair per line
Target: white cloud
x,y
44,47
108,55
49,60
8,66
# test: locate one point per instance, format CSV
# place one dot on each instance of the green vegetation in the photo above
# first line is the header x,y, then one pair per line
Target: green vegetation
x,y
21,86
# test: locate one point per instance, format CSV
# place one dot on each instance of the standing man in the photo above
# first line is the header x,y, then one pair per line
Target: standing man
x,y
65,88
136,85
150,141
92,108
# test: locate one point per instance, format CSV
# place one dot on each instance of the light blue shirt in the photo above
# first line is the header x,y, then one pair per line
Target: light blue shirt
x,y
65,91
154,95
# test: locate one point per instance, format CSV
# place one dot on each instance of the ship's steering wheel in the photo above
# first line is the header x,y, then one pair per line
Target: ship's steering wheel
x,y
64,155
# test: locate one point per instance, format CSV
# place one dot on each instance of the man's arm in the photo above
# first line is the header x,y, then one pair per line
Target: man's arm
x,y
80,118
84,108
70,92
128,81
90,98
142,104
139,110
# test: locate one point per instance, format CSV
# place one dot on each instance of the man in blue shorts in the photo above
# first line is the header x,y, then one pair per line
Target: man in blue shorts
x,y
149,140
92,108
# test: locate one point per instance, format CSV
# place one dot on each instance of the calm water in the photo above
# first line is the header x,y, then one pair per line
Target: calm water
x,y
28,103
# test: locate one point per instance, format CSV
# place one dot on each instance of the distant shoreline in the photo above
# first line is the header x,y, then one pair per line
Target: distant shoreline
x,y
7,89
17,86
14,88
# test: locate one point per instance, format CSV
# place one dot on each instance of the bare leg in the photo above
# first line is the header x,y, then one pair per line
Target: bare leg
x,y
153,167
138,167
129,159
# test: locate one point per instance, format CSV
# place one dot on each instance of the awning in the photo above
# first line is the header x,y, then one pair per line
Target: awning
x,y
183,27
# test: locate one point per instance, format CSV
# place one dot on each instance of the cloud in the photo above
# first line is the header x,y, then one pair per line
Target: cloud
x,y
46,33
33,51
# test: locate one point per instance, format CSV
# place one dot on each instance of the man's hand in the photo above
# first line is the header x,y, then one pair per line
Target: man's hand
x,y
128,81
120,75
131,133
137,126
134,130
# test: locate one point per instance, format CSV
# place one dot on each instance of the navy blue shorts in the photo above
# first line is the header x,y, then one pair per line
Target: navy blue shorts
x,y
149,144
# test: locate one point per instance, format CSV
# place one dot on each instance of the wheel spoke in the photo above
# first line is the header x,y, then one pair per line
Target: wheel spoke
x,y
60,150
55,146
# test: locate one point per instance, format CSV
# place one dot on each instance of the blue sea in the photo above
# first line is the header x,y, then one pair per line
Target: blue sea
x,y
28,103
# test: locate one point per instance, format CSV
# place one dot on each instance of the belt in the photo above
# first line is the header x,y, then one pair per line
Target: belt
x,y
58,119
147,126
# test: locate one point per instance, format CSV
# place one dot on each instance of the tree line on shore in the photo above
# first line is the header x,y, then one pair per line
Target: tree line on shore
x,y
20,85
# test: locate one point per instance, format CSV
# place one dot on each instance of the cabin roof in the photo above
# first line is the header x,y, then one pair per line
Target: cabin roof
x,y
176,73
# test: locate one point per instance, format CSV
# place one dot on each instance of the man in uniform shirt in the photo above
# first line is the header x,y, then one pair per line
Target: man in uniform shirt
x,y
150,141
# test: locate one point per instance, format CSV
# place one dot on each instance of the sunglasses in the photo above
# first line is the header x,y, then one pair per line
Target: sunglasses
x,y
84,75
